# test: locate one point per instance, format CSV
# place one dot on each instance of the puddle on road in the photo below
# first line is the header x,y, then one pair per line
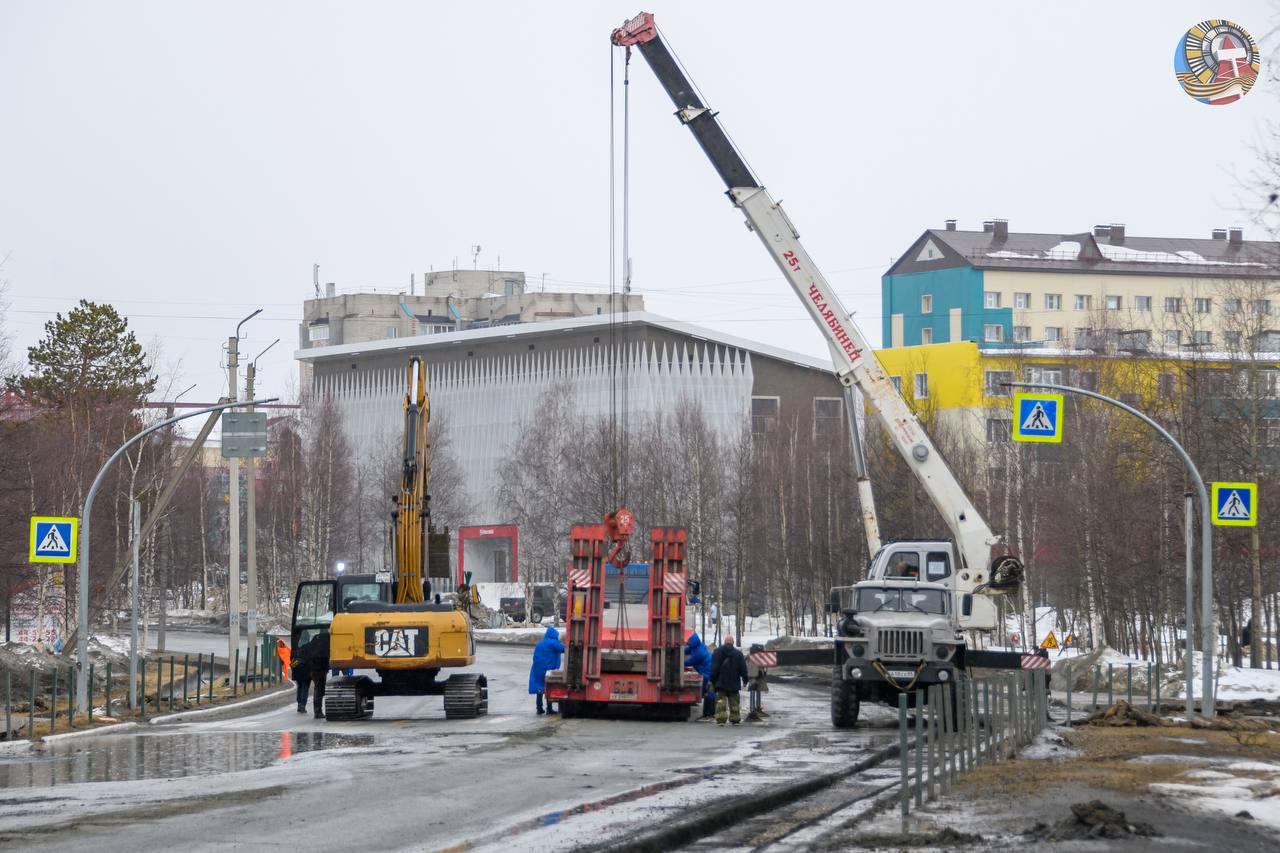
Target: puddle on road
x,y
122,758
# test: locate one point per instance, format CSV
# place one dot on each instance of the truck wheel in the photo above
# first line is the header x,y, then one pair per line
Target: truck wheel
x,y
536,616
844,701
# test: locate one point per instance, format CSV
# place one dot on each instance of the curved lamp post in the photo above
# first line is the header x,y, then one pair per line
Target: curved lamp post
x,y
82,646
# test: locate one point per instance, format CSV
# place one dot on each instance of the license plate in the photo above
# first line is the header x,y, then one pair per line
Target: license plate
x,y
902,673
624,690
395,642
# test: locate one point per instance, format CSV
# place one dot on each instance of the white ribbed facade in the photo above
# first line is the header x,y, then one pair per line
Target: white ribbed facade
x,y
485,400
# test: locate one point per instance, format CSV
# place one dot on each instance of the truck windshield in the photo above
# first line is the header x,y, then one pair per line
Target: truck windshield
x,y
876,599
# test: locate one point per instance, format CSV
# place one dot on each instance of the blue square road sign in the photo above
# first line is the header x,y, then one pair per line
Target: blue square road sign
x,y
1235,504
1037,417
53,539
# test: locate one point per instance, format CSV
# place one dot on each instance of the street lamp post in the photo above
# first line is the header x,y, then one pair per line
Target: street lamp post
x,y
82,645
233,502
1206,550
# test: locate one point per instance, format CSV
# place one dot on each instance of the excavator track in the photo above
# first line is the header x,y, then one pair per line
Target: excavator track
x,y
466,695
345,701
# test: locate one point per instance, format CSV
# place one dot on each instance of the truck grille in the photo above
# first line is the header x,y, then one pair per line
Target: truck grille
x,y
901,643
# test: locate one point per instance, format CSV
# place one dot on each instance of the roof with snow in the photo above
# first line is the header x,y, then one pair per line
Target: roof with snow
x,y
1107,249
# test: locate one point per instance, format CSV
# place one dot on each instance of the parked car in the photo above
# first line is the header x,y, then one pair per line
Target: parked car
x,y
544,604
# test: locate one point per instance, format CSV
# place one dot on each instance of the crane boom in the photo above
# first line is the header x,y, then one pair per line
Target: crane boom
x,y
855,363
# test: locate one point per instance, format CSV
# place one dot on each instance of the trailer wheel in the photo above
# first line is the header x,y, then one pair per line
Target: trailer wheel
x,y
536,616
568,709
844,701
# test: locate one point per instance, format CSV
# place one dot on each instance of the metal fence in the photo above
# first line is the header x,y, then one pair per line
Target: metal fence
x,y
165,683
958,727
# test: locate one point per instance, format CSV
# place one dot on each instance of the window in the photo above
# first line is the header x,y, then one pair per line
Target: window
x,y
1114,303
991,299
1261,306
1269,379
1204,337
1173,304
828,415
1021,334
1084,302
508,287
1128,398
1166,386
1083,337
1134,339
926,303
937,565
1142,303
1203,305
1269,342
434,328
315,604
1052,375
993,333
896,382
1232,340
1053,301
1271,432
995,382
764,415
922,386
1052,334
1231,306
1022,300
318,332
1172,337
903,565
1089,380
392,332
926,335
999,430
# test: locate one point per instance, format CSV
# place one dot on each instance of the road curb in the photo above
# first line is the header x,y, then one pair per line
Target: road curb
x,y
26,744
179,716
681,832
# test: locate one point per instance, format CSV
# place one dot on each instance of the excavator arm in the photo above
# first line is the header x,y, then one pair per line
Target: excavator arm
x,y
987,567
412,511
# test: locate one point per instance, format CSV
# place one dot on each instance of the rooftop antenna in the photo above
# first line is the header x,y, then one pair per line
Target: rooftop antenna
x,y
315,278
475,254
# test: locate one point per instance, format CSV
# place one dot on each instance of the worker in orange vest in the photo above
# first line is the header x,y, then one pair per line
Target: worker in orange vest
x,y
282,652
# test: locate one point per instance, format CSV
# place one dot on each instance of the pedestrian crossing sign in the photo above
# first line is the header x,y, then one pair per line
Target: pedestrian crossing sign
x,y
1037,417
1235,504
53,539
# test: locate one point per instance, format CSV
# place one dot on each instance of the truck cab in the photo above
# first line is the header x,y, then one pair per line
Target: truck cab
x,y
935,561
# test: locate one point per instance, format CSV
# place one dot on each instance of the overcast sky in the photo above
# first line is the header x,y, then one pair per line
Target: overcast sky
x,y
188,162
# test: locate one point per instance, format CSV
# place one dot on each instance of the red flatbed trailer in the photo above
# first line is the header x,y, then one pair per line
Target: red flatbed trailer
x,y
616,664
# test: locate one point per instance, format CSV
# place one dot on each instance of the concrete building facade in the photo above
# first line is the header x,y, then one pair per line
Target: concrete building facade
x,y
486,382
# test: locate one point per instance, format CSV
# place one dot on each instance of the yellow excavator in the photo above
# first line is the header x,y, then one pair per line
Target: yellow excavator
x,y
386,622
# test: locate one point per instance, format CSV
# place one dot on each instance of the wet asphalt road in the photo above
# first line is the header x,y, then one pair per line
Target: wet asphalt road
x,y
408,779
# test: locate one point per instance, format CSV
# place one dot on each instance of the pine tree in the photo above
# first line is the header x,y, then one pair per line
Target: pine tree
x,y
89,354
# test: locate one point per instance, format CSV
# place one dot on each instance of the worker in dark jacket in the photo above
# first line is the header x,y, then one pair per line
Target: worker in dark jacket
x,y
728,675
313,660
546,657
698,657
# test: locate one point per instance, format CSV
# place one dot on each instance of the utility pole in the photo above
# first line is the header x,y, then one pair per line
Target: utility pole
x,y
251,511
135,529
233,509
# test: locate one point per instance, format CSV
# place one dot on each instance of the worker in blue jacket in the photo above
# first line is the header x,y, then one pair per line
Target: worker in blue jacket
x,y
546,657
698,657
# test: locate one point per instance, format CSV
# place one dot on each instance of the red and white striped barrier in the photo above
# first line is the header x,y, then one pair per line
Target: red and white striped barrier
x,y
673,584
764,660
580,578
1034,662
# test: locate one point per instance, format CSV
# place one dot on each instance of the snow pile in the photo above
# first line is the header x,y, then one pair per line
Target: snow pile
x,y
1049,745
1222,790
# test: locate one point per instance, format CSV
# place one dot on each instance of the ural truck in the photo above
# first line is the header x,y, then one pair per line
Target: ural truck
x,y
968,570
